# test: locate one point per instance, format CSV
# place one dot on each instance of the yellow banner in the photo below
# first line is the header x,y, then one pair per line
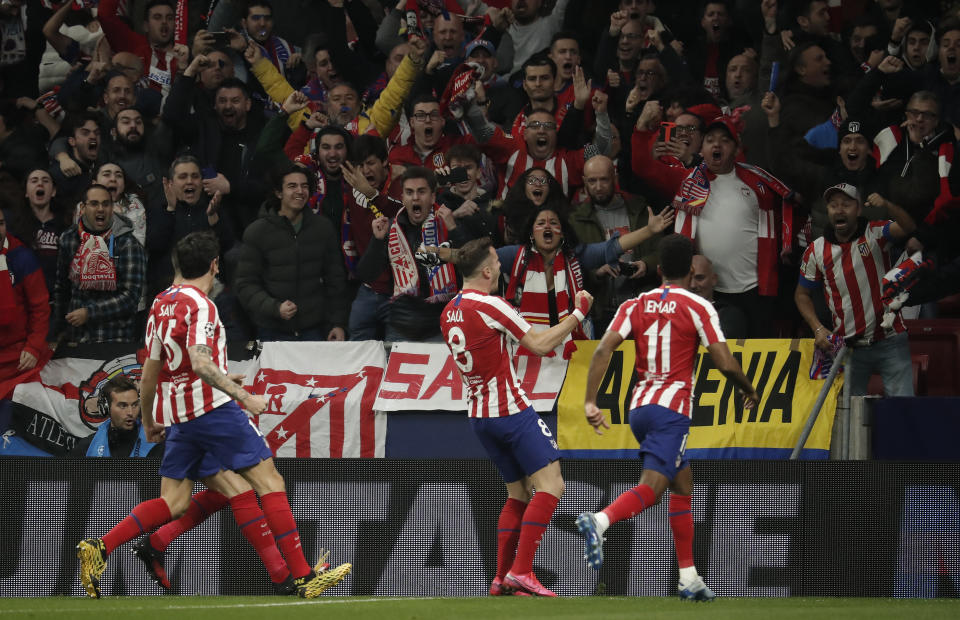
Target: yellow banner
x,y
720,427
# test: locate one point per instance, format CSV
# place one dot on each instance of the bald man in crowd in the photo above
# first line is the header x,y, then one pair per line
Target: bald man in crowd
x,y
608,211
732,320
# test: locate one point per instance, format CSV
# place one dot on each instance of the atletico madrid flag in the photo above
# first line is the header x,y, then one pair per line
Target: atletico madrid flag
x,y
320,398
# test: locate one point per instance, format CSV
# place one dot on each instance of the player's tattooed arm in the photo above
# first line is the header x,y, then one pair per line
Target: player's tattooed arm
x,y
201,358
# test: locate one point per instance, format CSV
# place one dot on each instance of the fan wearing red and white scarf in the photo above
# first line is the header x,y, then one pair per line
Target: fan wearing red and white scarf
x,y
92,268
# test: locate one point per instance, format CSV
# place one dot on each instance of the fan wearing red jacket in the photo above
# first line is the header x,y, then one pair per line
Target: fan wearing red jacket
x,y
24,312
156,48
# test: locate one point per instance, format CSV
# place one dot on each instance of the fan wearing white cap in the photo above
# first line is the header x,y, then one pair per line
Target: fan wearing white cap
x,y
846,265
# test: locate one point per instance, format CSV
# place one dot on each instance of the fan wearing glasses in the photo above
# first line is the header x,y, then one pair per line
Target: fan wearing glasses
x,y
909,154
537,146
430,140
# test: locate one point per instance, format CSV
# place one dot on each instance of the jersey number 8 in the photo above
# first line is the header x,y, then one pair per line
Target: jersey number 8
x,y
458,346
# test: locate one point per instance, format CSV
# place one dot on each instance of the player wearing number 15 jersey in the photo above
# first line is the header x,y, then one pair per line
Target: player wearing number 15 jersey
x,y
667,326
205,428
478,328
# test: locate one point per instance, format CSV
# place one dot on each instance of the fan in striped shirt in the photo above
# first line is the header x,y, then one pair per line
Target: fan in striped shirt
x,y
848,263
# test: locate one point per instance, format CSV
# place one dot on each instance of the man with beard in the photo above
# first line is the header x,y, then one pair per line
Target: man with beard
x,y
290,278
430,141
141,153
224,144
605,212
73,169
188,209
100,275
331,145
118,94
121,434
155,47
419,291
848,263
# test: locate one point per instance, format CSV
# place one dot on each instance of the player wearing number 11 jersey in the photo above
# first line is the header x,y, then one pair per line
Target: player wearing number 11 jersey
x,y
478,328
667,325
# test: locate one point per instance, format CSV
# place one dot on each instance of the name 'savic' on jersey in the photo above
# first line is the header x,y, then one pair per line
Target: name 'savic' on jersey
x,y
667,326
476,327
181,317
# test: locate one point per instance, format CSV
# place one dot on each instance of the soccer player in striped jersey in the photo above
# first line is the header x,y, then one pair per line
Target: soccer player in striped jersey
x,y
848,263
667,326
479,328
190,401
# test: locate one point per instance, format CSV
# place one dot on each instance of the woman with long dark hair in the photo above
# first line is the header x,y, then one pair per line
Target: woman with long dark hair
x,y
39,220
534,190
546,272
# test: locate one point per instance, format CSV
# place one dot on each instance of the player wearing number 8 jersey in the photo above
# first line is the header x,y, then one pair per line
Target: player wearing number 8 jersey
x,y
667,325
205,429
478,327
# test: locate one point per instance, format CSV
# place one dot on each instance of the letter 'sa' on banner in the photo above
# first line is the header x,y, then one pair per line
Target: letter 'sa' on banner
x,y
720,426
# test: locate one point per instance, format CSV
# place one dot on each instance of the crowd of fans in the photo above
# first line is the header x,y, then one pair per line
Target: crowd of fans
x,y
328,143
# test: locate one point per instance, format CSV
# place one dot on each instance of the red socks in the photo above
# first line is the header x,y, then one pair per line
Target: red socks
x,y
508,533
253,525
143,518
202,505
630,503
536,518
276,509
681,523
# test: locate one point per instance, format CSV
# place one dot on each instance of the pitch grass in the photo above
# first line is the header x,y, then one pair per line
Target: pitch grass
x,y
383,608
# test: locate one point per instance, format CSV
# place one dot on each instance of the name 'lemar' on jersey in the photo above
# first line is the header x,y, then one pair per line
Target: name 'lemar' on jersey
x,y
661,307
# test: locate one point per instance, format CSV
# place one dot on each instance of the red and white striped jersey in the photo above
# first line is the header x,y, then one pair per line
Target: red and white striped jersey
x,y
852,275
475,327
667,325
510,155
182,317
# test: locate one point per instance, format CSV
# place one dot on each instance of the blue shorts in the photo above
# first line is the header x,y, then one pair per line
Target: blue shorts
x,y
224,438
662,434
518,445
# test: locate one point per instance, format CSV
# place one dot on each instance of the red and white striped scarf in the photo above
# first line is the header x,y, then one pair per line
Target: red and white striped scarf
x,y
91,268
406,276
528,291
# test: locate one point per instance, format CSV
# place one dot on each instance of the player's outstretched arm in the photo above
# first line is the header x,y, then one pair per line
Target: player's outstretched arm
x,y
209,373
546,341
598,366
728,365
148,393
